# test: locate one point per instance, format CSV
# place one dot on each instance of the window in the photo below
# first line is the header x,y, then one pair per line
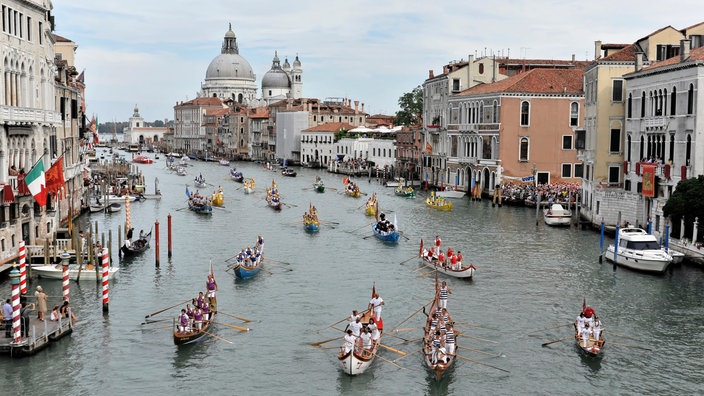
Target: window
x,y
495,116
523,152
617,90
642,105
578,170
614,174
673,101
566,171
690,99
29,28
574,114
629,113
481,68
615,142
525,112
567,142
455,85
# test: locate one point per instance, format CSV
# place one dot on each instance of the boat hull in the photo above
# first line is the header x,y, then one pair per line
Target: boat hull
x,y
355,363
391,237
312,227
558,220
464,273
635,260
370,210
56,272
204,209
454,194
243,272
194,336
218,199
446,206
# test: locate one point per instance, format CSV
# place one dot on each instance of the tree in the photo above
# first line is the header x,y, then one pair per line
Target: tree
x,y
686,203
411,104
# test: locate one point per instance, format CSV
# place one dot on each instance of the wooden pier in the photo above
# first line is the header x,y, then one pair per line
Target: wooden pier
x,y
41,333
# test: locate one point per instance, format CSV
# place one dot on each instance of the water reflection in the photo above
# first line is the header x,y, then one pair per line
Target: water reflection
x,y
591,362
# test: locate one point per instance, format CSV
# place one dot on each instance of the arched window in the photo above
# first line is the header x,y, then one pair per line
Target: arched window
x,y
630,105
642,105
673,101
574,114
525,113
523,152
495,116
481,68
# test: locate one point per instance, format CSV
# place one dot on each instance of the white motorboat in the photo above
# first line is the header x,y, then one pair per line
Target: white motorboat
x,y
94,208
639,250
181,171
450,192
114,207
120,198
55,271
397,181
557,215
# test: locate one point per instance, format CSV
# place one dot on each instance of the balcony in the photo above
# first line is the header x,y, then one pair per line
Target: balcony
x,y
655,122
19,115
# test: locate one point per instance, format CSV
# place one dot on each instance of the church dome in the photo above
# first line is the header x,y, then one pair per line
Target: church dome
x,y
229,64
275,77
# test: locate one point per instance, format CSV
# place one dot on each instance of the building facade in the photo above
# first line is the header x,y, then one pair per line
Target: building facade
x,y
137,132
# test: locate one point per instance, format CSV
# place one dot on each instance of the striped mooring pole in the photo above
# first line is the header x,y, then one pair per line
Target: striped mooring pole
x,y
16,326
23,269
64,277
105,279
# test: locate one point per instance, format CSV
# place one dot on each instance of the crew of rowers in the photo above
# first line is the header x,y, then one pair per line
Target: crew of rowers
x,y
250,257
249,183
199,200
589,327
371,202
364,337
384,225
440,334
446,260
272,194
192,319
311,216
352,188
436,200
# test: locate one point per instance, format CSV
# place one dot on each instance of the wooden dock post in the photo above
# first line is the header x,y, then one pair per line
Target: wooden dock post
x,y
47,252
96,228
110,245
156,242
169,234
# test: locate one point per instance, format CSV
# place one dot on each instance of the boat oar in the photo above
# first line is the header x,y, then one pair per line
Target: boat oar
x,y
413,314
158,327
266,270
277,261
620,335
325,341
404,329
426,273
236,317
218,337
166,309
233,326
629,346
481,339
359,228
408,354
560,340
478,351
400,338
402,353
156,321
368,236
405,261
482,363
550,328
388,361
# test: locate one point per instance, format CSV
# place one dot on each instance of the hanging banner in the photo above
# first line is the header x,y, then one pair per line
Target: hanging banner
x,y
648,180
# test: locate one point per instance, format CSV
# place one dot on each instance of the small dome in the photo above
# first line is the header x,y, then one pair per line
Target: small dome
x,y
275,78
229,66
296,63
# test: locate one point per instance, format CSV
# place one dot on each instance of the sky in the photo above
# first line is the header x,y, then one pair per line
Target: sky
x,y
154,53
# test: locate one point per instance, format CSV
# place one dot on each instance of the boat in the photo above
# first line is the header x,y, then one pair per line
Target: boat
x,y
137,247
288,172
87,272
174,155
406,192
557,215
248,186
181,171
141,159
218,197
396,182
310,219
184,161
450,193
192,334
120,198
236,175
351,188
371,206
385,236
198,203
438,202
114,207
359,359
458,270
200,182
639,250
96,207
224,162
272,197
249,261
593,345
319,186
435,360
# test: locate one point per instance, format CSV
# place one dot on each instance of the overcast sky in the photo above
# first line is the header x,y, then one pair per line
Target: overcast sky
x,y
154,53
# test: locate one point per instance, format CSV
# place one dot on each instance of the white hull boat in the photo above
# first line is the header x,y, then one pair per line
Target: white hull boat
x,y
640,251
87,273
120,198
557,216
454,194
97,208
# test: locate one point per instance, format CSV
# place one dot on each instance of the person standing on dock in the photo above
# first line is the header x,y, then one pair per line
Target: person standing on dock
x,y
41,303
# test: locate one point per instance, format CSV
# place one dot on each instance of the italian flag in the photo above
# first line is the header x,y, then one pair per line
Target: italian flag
x,y
36,182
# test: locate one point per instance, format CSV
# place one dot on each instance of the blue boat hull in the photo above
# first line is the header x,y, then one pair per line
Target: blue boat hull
x,y
388,238
312,227
246,273
205,209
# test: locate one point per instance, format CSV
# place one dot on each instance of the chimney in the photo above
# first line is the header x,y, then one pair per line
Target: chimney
x,y
639,61
684,49
597,50
356,106
470,65
430,74
573,58
362,107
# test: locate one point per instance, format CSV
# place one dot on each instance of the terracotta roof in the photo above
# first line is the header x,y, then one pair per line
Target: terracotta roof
x,y
696,54
207,101
217,111
330,127
627,53
61,39
552,81
259,112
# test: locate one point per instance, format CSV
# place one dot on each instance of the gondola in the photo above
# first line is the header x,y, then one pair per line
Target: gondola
x,y
288,172
437,362
358,360
593,346
137,247
236,175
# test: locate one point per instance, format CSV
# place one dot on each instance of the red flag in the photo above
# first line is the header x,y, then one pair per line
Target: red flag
x,y
55,180
648,180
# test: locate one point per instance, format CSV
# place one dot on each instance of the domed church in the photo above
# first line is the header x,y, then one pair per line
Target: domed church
x,y
230,76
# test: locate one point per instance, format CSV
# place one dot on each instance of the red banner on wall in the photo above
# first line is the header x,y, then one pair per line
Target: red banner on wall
x,y
648,180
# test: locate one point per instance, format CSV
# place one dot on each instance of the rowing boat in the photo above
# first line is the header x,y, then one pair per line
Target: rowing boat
x,y
310,220
249,262
436,358
137,247
438,203
451,266
585,338
358,359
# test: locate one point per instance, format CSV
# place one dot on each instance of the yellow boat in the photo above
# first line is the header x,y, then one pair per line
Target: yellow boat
x,y
438,202
218,197
370,209
249,186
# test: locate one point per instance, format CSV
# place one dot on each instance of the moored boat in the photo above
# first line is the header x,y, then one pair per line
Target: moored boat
x,y
224,162
356,358
451,266
639,250
557,215
96,207
437,358
588,332
113,207
141,159
87,272
450,192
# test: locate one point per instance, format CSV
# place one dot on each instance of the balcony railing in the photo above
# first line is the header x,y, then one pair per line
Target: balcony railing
x,y
25,114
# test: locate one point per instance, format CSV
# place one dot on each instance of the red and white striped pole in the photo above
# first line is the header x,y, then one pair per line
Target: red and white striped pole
x,y
16,326
105,279
64,273
23,269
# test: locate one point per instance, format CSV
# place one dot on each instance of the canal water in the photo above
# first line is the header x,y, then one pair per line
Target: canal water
x,y
529,285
